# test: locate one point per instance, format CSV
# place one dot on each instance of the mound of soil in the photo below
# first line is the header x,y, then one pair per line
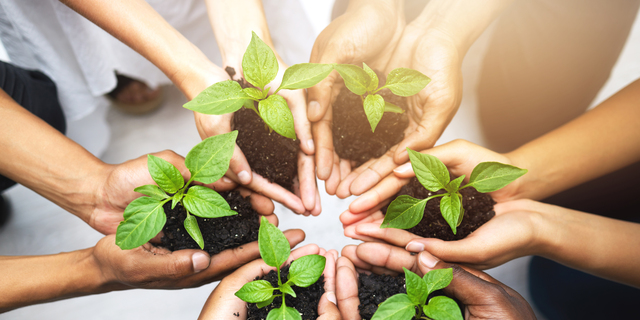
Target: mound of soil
x,y
352,136
219,233
478,209
374,289
306,302
269,154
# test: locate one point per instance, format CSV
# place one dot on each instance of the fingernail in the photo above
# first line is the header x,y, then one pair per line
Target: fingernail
x,y
310,145
403,168
415,247
331,297
314,108
428,260
200,261
226,180
244,177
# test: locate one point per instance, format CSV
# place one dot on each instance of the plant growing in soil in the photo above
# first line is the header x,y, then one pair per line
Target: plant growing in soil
x,y
303,272
260,67
414,302
405,212
364,82
207,162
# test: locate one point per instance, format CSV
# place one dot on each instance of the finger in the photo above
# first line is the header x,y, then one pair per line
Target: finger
x,y
276,192
349,252
389,187
330,271
334,179
239,169
323,137
381,168
345,167
344,189
396,237
347,289
307,178
453,154
298,104
318,208
260,203
223,184
386,256
320,96
349,218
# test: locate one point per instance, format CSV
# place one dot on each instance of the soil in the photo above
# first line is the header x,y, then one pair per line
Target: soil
x,y
219,233
352,136
306,302
269,154
478,209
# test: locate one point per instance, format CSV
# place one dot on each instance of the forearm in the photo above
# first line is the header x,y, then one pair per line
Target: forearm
x,y
36,279
39,157
601,141
138,25
604,247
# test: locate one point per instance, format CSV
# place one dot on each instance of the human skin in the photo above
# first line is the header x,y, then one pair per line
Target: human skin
x,y
483,296
139,26
223,304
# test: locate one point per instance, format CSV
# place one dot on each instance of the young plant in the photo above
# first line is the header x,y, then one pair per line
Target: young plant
x,y
401,81
207,162
260,67
303,272
412,304
406,212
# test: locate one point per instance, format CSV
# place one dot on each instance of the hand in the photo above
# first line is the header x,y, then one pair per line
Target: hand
x,y
223,304
367,32
435,54
459,156
115,184
483,296
152,267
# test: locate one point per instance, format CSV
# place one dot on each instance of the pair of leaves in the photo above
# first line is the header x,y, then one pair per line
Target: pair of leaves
x,y
207,162
405,212
401,81
403,306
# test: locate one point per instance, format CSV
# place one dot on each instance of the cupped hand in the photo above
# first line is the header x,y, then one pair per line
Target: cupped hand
x,y
367,32
152,267
433,53
223,304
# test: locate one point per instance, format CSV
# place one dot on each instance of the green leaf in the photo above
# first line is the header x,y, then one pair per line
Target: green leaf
x,y
390,107
143,220
254,93
152,191
276,114
206,203
209,160
430,171
443,308
454,185
256,291
274,246
374,109
437,279
284,313
406,82
286,288
356,79
306,270
450,209
164,174
265,303
191,225
416,287
259,63
219,98
397,307
404,212
492,176
373,83
304,75
175,199
461,211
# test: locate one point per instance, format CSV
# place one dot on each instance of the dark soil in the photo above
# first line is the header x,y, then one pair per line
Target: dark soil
x,y
478,209
219,233
352,136
306,302
269,154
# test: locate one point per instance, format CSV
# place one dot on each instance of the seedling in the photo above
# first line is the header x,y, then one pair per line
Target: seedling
x,y
260,67
207,162
364,82
412,304
406,212
303,272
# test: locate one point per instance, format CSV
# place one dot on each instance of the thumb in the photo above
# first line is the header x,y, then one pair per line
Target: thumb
x,y
423,137
327,309
319,97
177,264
